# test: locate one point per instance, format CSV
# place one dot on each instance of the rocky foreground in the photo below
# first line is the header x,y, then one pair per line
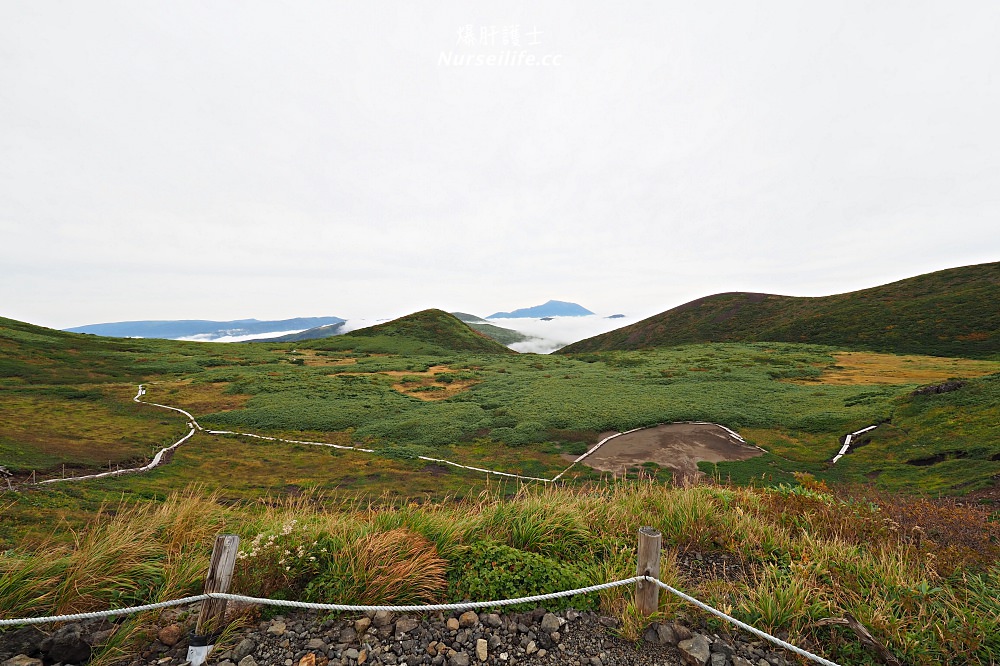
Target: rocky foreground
x,y
458,639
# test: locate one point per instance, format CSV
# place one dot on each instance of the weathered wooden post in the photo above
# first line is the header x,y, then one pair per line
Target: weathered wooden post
x,y
647,594
213,611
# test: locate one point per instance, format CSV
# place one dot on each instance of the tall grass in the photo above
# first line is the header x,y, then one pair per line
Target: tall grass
x,y
808,555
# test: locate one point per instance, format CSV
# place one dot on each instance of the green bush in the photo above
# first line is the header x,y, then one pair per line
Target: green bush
x,y
492,571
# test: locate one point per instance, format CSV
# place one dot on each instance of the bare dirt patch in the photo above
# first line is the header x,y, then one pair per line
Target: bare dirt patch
x,y
425,384
312,358
676,446
874,368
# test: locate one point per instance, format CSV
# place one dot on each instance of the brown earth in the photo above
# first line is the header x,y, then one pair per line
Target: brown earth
x,y
676,446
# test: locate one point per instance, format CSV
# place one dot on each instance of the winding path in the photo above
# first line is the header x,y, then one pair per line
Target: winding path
x,y
193,426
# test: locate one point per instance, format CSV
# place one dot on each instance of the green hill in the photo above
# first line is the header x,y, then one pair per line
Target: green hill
x,y
430,327
952,312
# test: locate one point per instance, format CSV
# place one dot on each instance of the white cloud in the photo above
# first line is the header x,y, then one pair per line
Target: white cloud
x,y
318,160
547,336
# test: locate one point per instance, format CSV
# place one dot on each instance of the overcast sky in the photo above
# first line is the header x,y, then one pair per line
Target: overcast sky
x,y
223,160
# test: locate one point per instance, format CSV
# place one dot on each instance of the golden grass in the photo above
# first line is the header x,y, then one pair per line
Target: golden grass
x,y
48,430
873,368
196,397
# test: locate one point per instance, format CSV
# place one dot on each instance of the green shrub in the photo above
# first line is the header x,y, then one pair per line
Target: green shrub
x,y
491,571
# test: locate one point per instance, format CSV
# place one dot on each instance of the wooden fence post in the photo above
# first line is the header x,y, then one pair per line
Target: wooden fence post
x,y
220,575
647,594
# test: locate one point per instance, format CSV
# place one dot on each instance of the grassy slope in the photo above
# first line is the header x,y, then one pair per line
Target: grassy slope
x,y
947,313
427,330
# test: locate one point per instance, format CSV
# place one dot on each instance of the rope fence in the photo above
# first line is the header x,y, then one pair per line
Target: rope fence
x,y
223,560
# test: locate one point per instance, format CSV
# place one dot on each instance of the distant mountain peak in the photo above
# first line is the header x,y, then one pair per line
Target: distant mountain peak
x,y
549,309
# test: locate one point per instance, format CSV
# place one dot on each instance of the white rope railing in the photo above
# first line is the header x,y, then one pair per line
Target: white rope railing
x,y
423,608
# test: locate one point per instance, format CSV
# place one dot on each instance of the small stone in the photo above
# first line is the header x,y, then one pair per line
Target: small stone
x,y
308,660
493,620
482,649
362,657
245,647
695,651
453,624
740,661
248,661
351,653
361,626
542,653
719,659
170,634
459,659
666,635
316,644
406,625
382,619
550,623
22,660
681,632
596,661
608,621
532,648
468,619
277,628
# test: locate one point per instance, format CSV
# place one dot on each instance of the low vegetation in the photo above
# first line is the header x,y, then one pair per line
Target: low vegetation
x,y
921,576
941,314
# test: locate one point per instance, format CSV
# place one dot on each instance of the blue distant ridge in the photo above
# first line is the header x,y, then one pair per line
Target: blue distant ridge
x,y
550,309
184,328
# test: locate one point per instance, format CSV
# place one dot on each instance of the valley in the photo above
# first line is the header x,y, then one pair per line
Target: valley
x,y
399,424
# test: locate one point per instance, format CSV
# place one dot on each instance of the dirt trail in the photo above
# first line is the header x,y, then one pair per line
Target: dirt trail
x,y
677,446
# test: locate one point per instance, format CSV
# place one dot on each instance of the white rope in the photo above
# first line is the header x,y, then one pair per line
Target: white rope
x,y
430,607
107,613
741,625
423,608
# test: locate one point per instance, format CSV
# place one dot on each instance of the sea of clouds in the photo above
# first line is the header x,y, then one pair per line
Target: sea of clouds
x,y
544,336
548,336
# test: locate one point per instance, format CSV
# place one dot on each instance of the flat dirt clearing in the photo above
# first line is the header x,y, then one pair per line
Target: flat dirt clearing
x,y
676,446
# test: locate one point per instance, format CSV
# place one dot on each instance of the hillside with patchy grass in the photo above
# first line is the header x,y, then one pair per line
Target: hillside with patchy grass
x,y
433,330
795,538
947,313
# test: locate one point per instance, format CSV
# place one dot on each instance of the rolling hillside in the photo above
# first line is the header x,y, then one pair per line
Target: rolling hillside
x,y
432,327
952,312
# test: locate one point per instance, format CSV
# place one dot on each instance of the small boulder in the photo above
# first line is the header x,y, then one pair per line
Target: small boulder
x,y
406,625
66,645
695,651
243,649
22,660
550,623
171,634
666,635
